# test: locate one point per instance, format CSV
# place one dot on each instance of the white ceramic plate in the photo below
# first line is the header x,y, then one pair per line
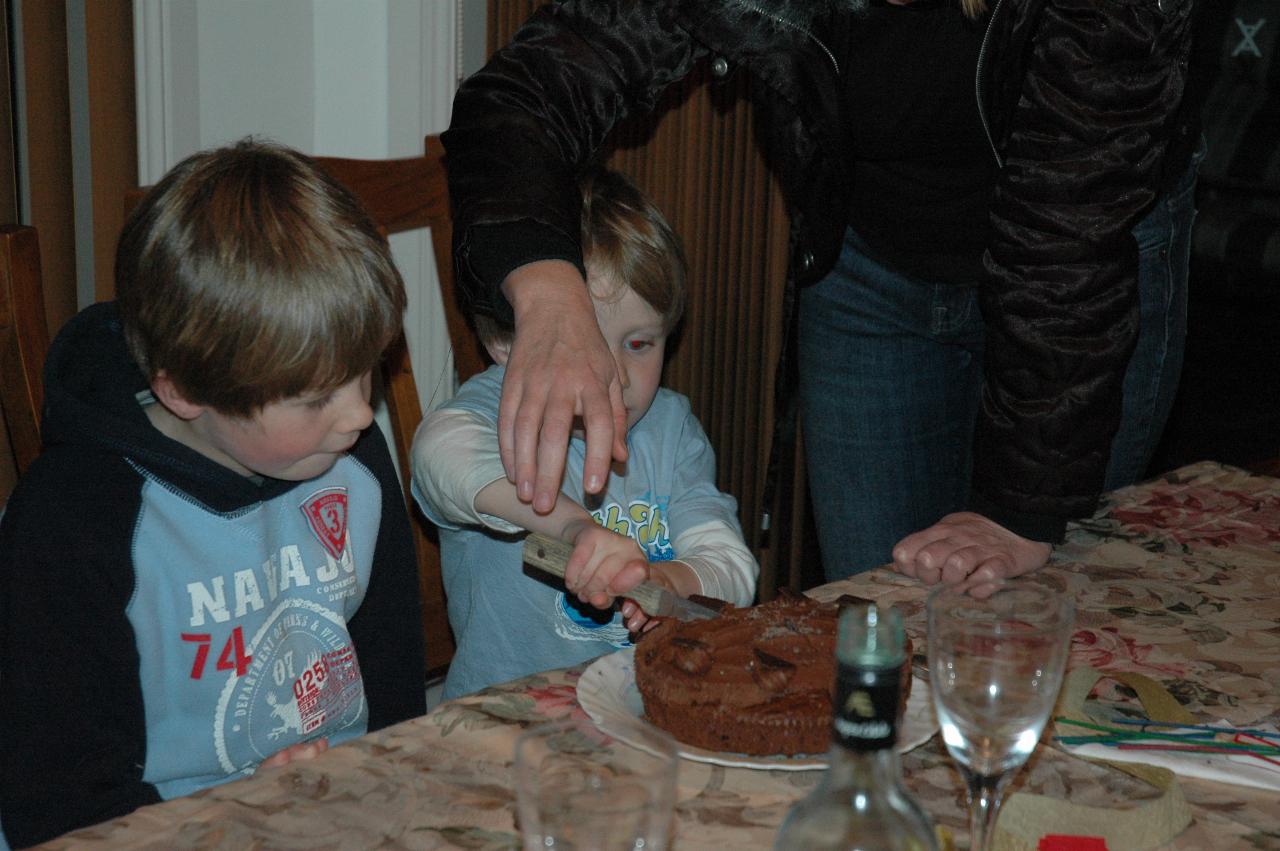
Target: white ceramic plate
x,y
607,692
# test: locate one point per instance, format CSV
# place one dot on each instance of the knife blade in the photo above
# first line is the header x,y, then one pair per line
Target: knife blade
x,y
552,555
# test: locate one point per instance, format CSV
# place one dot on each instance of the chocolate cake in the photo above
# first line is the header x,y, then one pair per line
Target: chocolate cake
x,y
754,681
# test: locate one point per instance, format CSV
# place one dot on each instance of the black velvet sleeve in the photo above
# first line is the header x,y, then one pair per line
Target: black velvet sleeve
x,y
72,727
526,124
493,250
387,628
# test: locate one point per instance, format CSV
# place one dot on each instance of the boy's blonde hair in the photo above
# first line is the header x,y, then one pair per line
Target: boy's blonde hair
x,y
249,275
625,241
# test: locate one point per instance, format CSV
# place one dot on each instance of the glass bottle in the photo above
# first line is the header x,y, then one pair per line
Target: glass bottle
x,y
860,803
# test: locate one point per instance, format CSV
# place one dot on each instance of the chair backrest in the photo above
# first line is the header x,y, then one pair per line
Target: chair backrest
x,y
402,195
24,339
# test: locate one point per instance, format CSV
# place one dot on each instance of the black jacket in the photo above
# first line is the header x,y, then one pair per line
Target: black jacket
x,y
1081,99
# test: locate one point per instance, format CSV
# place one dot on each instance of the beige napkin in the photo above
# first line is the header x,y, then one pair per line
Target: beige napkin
x,y
1025,818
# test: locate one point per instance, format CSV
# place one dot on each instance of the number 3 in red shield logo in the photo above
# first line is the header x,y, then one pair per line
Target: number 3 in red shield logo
x,y
326,511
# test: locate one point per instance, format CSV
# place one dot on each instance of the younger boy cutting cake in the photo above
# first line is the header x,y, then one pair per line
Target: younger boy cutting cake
x,y
660,516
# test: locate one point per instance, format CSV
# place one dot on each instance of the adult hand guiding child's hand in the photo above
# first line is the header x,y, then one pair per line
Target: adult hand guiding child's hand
x,y
559,369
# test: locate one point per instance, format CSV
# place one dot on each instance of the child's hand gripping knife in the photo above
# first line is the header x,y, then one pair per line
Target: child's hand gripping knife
x,y
605,565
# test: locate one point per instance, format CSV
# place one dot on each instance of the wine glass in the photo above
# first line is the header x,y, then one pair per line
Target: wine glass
x,y
995,667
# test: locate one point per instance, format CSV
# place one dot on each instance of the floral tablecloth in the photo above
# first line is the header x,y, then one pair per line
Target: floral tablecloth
x,y
1177,579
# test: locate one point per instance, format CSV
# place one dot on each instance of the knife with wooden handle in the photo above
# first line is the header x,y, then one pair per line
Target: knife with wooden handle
x,y
552,555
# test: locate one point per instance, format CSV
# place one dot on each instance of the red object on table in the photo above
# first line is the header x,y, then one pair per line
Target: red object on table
x,y
1063,842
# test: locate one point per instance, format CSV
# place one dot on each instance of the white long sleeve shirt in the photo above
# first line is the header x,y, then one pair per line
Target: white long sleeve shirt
x,y
509,624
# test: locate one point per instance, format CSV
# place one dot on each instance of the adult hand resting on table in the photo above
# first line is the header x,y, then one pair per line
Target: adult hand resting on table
x,y
559,369
967,547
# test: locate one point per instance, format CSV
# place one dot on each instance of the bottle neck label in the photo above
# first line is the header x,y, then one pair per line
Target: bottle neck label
x,y
865,716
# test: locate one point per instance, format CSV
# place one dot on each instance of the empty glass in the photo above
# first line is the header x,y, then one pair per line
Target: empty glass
x,y
995,667
578,788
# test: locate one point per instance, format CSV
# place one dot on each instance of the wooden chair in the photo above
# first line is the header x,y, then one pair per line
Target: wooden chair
x,y
24,339
400,195
404,195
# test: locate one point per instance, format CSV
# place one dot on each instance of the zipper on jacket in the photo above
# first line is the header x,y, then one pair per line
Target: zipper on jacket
x,y
977,83
752,7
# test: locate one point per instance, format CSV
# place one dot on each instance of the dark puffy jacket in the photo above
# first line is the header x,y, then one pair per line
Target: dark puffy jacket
x,y
1081,99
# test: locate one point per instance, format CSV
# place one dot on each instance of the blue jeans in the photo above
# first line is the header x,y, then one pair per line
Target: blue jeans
x,y
891,379
1151,380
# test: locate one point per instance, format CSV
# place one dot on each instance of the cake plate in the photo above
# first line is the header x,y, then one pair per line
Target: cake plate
x,y
607,692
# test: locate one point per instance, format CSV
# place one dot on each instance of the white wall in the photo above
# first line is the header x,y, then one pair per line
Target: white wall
x,y
355,78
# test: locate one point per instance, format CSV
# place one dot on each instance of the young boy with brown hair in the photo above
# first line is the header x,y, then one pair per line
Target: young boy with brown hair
x,y
660,517
209,567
